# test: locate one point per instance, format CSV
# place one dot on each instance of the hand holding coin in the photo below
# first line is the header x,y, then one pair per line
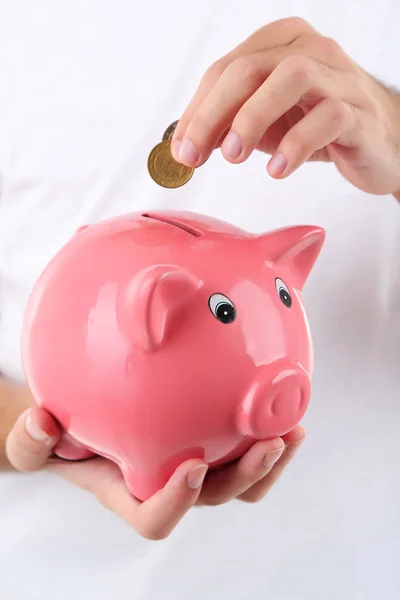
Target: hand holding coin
x,y
295,94
163,168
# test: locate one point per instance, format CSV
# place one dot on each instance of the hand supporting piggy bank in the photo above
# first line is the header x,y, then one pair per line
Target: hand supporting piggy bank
x,y
155,338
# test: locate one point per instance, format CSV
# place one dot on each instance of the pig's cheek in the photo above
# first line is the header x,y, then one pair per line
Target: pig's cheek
x,y
275,403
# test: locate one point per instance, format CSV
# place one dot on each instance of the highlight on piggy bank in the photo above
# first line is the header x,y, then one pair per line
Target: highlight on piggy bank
x,y
155,338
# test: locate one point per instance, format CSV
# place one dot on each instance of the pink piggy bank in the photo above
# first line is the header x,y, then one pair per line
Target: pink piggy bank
x,y
155,338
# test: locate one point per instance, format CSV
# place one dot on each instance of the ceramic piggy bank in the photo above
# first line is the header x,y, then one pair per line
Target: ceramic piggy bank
x,y
155,338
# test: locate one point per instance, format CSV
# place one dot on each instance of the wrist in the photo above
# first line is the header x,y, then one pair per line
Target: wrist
x,y
389,102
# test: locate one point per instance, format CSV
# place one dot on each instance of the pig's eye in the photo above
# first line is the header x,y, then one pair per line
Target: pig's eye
x,y
283,292
222,308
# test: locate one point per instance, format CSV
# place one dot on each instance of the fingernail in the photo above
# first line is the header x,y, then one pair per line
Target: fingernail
x,y
232,146
277,164
272,457
188,153
34,431
175,145
195,477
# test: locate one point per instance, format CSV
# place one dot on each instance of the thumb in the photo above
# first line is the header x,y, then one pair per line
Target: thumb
x,y
31,440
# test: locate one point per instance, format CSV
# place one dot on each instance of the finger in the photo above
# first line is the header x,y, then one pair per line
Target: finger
x,y
31,440
295,78
156,517
68,448
293,442
215,114
329,121
207,82
280,33
162,512
227,483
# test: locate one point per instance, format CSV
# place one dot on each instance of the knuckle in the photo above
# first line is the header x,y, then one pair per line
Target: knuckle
x,y
244,69
299,144
299,67
254,497
154,535
296,23
214,71
339,112
248,120
214,500
199,128
250,499
327,46
144,528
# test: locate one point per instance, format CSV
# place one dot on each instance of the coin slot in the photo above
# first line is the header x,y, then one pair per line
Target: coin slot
x,y
174,223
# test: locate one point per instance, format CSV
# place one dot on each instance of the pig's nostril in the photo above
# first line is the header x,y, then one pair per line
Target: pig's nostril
x,y
283,403
274,406
302,400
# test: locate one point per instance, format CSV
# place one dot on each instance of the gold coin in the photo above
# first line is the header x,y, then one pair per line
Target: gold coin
x,y
164,169
169,132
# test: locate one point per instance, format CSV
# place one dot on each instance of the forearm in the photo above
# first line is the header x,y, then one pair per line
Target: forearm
x,y
14,399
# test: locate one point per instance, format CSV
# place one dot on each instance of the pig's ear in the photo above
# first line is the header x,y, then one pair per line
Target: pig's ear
x,y
295,247
150,307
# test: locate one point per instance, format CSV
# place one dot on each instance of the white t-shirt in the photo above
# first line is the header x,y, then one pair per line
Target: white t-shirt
x,y
86,89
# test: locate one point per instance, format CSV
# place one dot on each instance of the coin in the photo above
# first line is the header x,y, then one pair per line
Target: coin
x,y
164,169
169,132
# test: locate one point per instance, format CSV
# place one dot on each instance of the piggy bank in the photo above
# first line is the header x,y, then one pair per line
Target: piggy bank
x,y
155,338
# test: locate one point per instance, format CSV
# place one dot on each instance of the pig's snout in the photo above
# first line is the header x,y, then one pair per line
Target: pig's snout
x,y
276,401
